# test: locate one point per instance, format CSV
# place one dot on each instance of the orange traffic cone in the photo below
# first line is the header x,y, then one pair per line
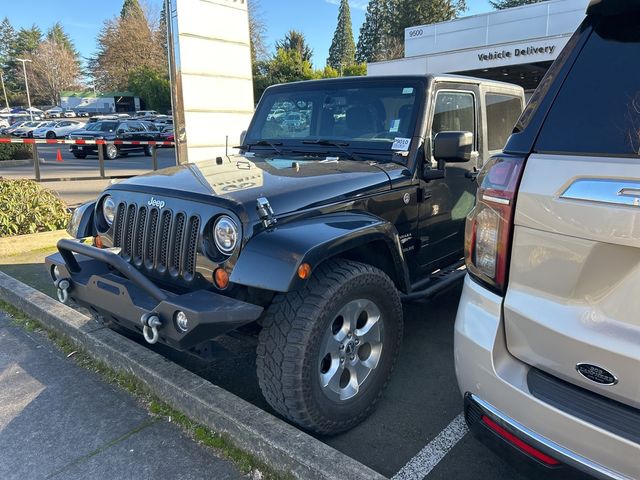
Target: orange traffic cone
x,y
59,156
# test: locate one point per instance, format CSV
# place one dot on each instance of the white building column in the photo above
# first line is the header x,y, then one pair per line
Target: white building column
x,y
211,76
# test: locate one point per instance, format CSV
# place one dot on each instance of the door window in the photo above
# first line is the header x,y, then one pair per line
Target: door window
x,y
503,112
454,112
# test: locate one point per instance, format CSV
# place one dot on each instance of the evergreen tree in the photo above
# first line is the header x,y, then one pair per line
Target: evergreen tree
x,y
343,49
296,41
27,40
373,31
408,13
131,8
57,34
502,4
7,41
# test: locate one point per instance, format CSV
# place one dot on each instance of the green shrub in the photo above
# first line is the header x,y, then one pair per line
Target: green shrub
x,y
15,151
26,207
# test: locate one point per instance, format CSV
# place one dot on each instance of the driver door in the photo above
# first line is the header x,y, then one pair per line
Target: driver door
x,y
447,201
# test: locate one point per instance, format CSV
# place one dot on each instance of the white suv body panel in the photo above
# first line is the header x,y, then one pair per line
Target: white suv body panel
x,y
574,284
486,368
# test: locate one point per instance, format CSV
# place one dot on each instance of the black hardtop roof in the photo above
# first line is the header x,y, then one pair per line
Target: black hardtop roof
x,y
426,79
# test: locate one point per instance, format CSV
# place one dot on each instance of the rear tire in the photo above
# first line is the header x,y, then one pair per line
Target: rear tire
x,y
51,135
326,352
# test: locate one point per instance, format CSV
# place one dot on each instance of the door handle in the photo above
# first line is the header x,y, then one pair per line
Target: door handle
x,y
629,192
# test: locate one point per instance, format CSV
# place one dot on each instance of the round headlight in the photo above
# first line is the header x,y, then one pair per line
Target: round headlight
x,y
225,234
109,209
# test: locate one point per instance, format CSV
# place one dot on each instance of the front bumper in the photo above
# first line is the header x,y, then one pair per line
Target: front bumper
x,y
495,385
109,286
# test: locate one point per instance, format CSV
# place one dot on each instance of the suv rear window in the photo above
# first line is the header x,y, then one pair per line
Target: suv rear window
x,y
502,114
597,111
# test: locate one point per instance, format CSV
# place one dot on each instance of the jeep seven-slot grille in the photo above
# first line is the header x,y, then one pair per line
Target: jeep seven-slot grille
x,y
158,239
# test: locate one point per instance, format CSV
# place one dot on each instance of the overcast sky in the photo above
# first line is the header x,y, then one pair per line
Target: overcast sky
x,y
83,18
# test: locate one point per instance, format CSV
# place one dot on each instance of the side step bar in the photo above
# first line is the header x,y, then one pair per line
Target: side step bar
x,y
437,282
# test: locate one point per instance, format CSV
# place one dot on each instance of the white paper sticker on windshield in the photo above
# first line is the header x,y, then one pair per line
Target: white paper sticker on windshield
x,y
407,91
395,126
401,143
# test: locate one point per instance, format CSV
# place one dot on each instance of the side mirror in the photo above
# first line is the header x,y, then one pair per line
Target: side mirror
x,y
119,131
451,147
243,135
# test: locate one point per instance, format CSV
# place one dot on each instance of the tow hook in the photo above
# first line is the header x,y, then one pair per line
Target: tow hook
x,y
150,324
62,287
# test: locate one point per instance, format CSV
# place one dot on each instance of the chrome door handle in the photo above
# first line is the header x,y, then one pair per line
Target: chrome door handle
x,y
629,192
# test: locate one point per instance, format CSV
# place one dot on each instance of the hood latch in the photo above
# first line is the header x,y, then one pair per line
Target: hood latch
x,y
265,212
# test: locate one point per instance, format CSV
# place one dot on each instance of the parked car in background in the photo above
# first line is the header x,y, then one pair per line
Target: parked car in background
x,y
56,129
14,126
110,130
146,113
4,123
99,118
82,113
547,335
55,112
26,129
68,113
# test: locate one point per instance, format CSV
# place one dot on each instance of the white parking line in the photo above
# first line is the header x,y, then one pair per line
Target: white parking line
x,y
421,465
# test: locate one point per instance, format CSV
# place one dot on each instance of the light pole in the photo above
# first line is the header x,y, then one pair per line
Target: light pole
x,y
4,90
26,82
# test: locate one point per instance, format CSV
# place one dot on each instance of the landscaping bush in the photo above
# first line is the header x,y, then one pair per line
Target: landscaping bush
x,y
15,151
26,207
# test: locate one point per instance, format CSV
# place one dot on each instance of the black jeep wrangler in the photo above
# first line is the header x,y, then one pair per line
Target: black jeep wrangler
x,y
316,231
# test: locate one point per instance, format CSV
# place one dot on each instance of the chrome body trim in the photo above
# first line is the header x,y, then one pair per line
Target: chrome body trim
x,y
600,190
547,446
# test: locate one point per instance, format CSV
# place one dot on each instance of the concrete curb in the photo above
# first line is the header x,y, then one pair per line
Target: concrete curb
x,y
15,163
270,439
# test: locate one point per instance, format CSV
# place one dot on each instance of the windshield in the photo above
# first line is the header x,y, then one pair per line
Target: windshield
x,y
103,126
362,115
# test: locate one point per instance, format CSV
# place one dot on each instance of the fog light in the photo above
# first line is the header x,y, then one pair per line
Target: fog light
x,y
182,322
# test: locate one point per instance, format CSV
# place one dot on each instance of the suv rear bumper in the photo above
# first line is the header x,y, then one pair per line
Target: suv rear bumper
x,y
109,286
495,386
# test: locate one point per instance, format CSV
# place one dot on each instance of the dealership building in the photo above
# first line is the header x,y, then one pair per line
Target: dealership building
x,y
515,45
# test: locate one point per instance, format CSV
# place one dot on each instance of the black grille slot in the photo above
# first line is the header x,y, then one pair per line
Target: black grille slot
x,y
127,244
141,224
119,226
178,241
165,232
158,239
192,246
151,244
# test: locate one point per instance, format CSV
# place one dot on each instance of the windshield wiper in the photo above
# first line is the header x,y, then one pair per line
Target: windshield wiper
x,y
339,145
261,143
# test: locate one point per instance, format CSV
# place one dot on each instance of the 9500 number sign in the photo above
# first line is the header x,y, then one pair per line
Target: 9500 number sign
x,y
418,32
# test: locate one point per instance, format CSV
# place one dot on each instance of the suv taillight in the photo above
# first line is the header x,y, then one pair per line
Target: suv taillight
x,y
489,228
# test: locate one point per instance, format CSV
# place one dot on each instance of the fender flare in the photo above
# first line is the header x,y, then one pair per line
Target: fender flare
x,y
270,260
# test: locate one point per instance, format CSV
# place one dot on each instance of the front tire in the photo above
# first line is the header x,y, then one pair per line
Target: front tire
x,y
325,353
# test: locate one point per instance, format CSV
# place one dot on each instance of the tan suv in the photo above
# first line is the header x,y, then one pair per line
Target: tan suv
x,y
547,335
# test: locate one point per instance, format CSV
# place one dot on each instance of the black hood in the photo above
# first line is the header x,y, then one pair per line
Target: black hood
x,y
290,184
